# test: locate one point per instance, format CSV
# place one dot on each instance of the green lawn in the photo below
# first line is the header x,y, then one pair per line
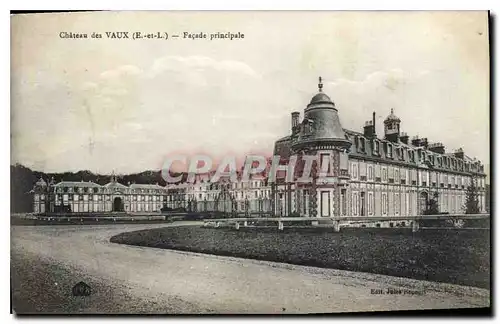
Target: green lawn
x,y
452,256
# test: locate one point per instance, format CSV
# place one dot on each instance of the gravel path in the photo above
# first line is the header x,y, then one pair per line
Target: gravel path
x,y
46,261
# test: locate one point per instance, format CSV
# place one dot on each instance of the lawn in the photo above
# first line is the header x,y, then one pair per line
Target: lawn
x,y
451,256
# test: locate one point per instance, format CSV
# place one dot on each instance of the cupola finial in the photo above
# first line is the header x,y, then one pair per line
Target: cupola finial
x,y
320,85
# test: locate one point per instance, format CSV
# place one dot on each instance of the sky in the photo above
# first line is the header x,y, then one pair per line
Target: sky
x,y
124,105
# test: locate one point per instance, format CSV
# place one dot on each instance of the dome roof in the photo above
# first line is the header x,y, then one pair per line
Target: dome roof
x,y
321,123
392,117
320,97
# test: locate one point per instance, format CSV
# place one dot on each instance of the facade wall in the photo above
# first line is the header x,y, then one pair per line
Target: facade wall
x,y
373,189
85,198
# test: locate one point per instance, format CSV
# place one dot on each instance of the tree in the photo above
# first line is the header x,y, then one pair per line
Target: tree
x,y
471,199
432,207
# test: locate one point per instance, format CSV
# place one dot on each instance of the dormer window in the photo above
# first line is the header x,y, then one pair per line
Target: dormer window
x,y
376,146
419,154
308,127
389,150
362,144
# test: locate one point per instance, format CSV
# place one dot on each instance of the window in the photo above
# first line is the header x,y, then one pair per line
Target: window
x,y
355,204
362,207
308,127
400,153
389,150
385,203
354,169
343,202
384,174
376,147
397,204
391,172
396,175
370,203
325,163
370,172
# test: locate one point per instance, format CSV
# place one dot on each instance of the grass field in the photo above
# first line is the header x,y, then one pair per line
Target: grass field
x,y
451,256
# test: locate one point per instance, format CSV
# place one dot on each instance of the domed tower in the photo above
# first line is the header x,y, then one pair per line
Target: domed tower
x,y
321,125
391,127
321,135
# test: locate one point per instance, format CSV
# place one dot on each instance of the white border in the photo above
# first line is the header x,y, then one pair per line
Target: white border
x,y
189,5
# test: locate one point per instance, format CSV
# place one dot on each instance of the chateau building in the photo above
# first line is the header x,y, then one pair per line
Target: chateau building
x,y
368,175
89,197
202,195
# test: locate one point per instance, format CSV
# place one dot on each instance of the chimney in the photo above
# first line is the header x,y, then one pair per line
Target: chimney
x,y
295,121
415,141
373,123
459,154
404,138
369,129
437,148
424,143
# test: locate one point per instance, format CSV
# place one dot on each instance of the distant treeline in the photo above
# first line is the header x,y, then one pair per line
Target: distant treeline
x,y
22,180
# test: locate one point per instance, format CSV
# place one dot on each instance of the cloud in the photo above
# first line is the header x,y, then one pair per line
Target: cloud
x,y
199,63
231,94
139,114
122,71
420,98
